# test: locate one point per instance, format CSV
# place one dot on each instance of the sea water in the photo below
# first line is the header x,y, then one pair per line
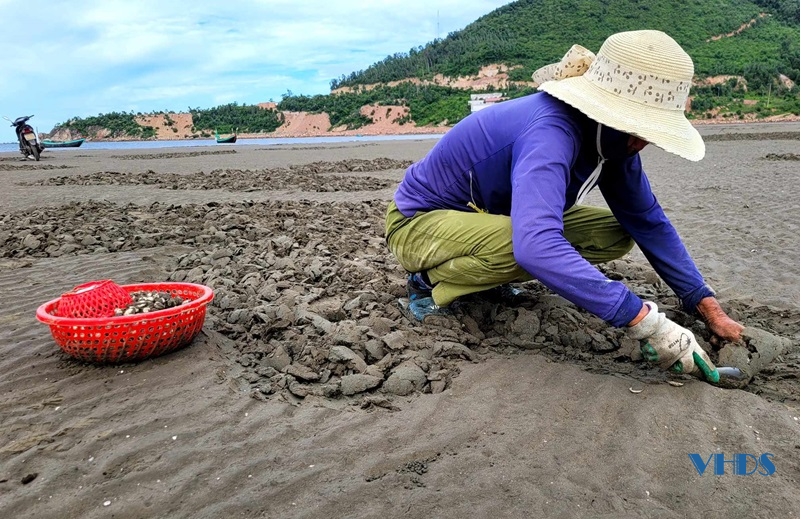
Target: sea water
x,y
144,145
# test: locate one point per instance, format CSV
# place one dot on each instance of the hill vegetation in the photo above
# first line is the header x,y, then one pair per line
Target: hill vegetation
x,y
114,124
233,116
757,41
533,33
223,118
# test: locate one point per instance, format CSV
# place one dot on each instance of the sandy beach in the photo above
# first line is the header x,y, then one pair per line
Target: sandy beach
x,y
309,395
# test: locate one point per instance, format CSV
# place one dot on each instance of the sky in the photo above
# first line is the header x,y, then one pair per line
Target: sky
x,y
83,58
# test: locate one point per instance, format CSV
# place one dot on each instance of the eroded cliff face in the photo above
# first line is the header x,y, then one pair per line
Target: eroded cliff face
x,y
495,76
386,121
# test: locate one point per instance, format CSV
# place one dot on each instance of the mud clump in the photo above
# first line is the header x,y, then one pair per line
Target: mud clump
x,y
306,299
757,350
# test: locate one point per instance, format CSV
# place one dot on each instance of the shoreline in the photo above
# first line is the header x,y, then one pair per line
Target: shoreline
x,y
424,131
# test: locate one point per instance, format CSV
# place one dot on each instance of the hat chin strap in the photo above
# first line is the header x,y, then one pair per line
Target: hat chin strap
x,y
588,184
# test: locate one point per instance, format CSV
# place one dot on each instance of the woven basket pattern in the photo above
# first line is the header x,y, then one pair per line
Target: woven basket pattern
x,y
94,299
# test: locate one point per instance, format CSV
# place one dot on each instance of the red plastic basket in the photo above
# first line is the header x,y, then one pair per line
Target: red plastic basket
x,y
93,299
131,337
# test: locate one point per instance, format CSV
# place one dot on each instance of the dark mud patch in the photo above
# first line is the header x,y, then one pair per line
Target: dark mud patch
x,y
781,156
306,300
766,136
315,177
229,179
172,155
352,165
284,147
30,167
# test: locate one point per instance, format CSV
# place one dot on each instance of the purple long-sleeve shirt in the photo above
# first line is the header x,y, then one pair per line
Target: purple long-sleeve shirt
x,y
527,158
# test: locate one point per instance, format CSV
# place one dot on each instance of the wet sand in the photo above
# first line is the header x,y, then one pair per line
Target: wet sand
x,y
491,417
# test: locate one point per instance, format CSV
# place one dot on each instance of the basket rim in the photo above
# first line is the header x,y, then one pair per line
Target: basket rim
x,y
44,315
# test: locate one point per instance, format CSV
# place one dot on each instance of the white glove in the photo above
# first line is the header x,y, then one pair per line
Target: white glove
x,y
671,346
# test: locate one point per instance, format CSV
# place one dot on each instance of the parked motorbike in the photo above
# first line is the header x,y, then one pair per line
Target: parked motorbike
x,y
29,144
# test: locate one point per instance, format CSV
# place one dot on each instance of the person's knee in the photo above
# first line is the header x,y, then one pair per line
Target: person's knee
x,y
623,247
611,252
506,265
498,255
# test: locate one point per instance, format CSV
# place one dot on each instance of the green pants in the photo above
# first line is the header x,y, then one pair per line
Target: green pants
x,y
466,252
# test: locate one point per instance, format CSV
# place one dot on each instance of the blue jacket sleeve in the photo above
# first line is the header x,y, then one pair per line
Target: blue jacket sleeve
x,y
542,159
628,194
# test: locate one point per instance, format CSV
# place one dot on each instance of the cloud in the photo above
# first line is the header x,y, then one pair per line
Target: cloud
x,y
84,58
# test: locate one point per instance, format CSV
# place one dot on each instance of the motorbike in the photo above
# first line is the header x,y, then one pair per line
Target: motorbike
x,y
29,144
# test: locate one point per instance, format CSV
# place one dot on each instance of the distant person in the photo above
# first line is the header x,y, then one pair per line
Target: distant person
x,y
498,198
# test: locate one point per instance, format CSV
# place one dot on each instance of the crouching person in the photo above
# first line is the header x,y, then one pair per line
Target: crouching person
x,y
499,198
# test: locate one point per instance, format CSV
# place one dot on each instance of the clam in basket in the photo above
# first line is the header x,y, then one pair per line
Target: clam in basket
x,y
84,326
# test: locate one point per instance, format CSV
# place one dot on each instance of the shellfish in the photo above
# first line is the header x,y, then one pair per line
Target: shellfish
x,y
149,301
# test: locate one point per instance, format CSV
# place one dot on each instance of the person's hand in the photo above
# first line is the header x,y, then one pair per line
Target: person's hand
x,y
671,346
720,324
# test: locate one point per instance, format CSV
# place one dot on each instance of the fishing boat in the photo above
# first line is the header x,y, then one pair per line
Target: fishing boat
x,y
228,139
63,144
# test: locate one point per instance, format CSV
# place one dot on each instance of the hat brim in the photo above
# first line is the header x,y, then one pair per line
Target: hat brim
x,y
667,129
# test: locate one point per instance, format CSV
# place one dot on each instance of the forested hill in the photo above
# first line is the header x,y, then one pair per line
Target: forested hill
x,y
532,33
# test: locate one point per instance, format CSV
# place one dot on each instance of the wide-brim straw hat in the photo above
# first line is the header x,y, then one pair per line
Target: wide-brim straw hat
x,y
638,83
